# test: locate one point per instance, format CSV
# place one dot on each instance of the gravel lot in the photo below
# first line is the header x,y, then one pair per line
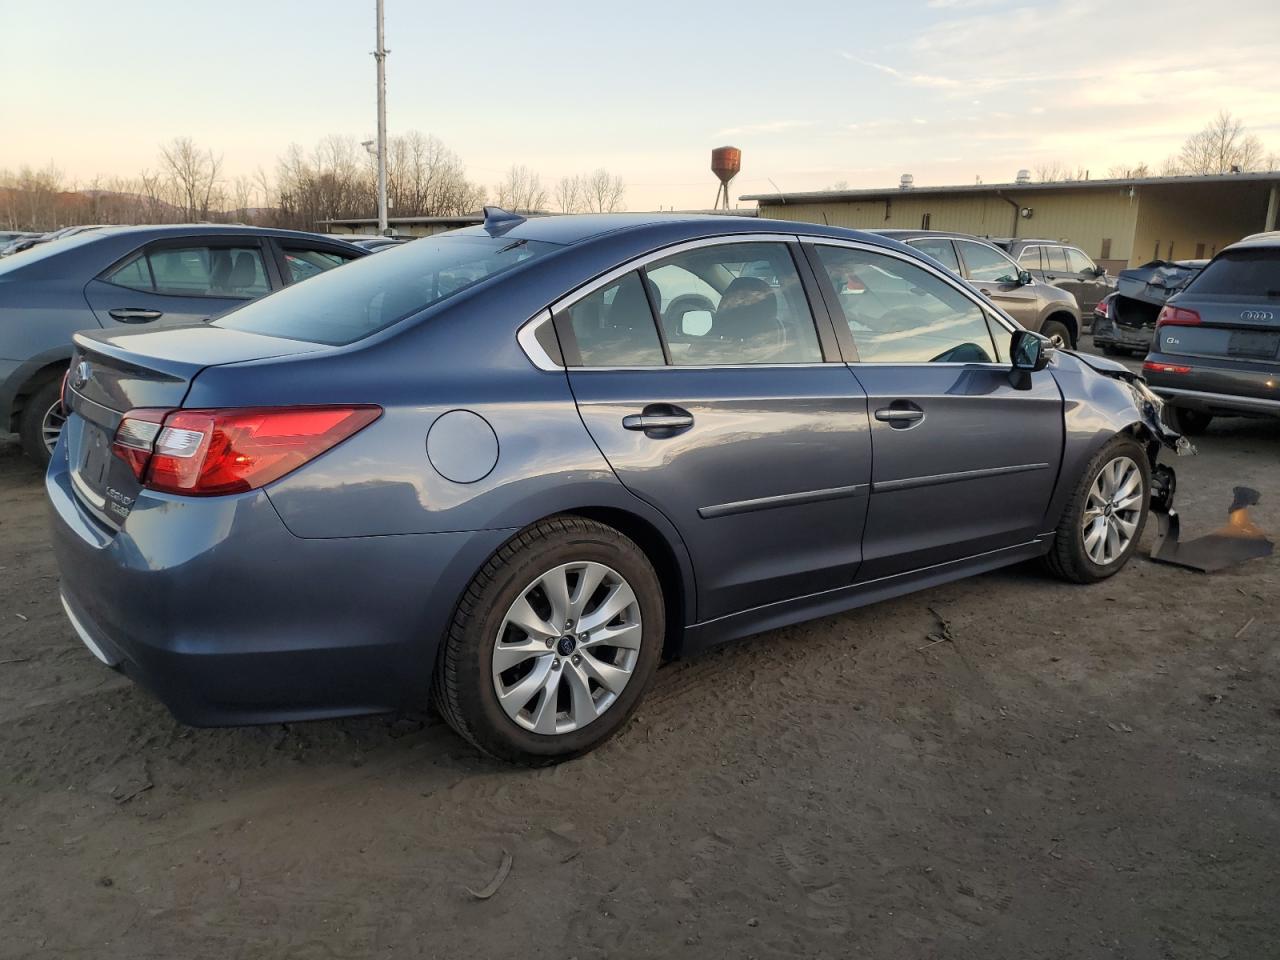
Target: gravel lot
x,y
1082,772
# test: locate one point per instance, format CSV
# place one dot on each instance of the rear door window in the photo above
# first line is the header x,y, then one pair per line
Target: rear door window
x,y
940,249
1245,274
734,303
1055,259
195,271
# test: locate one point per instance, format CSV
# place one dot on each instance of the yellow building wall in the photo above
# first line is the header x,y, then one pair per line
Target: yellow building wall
x,y
1084,218
1175,222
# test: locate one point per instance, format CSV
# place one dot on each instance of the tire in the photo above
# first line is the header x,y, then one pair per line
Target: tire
x,y
1070,557
465,687
1191,422
31,425
1059,333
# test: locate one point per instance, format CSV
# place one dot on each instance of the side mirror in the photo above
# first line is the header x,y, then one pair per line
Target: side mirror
x,y
1030,353
1024,277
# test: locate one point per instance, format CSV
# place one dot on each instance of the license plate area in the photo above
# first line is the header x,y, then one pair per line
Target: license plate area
x,y
1249,343
102,481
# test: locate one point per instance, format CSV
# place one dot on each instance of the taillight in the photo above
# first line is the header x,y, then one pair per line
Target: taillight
x,y
1151,366
62,391
1103,309
1177,317
210,452
136,435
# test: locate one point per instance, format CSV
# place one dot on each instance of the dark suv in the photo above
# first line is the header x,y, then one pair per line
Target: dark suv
x,y
1063,266
1216,348
1036,305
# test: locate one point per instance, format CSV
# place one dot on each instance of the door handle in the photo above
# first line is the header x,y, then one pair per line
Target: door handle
x,y
646,422
901,414
134,314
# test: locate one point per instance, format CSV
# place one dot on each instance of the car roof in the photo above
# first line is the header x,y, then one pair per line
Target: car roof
x,y
576,228
204,229
897,233
1269,239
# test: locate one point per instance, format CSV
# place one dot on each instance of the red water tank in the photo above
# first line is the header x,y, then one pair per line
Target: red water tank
x,y
726,162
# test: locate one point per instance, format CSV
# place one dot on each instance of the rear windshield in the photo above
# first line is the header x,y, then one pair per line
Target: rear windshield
x,y
365,296
43,251
1248,274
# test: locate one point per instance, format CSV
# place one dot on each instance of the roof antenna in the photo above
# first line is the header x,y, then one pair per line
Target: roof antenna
x,y
498,221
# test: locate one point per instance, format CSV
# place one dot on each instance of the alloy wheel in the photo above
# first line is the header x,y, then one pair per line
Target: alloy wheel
x,y
51,425
567,647
1112,511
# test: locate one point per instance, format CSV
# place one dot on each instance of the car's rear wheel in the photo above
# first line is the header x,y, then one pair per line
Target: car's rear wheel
x,y
41,422
1058,334
1103,521
553,643
1191,422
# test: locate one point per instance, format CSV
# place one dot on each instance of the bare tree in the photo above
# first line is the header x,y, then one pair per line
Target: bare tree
x,y
193,173
521,189
1123,172
603,192
1056,172
569,194
1223,146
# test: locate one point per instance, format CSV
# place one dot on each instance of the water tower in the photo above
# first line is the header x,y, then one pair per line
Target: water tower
x,y
725,164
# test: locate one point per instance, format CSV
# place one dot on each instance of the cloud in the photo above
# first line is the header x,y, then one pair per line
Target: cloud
x,y
774,126
914,79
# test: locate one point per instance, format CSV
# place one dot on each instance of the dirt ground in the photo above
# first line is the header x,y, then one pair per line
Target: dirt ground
x,y
1082,772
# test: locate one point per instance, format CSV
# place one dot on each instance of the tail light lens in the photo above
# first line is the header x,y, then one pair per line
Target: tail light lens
x,y
211,452
1151,366
1177,317
62,391
1103,309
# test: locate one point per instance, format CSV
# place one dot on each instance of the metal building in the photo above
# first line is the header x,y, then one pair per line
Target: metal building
x,y
1117,222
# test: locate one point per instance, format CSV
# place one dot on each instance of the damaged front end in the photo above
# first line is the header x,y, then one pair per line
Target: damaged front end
x,y
1238,540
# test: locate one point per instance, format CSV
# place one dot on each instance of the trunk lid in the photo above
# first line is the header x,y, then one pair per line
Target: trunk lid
x,y
113,373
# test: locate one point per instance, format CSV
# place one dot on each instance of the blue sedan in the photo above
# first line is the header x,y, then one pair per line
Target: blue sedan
x,y
513,467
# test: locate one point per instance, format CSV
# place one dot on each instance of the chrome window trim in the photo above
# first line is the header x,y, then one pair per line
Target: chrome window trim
x,y
527,337
539,358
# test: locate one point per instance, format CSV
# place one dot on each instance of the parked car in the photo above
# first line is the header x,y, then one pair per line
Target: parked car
x,y
9,236
1216,348
517,464
1124,321
35,239
371,243
1063,266
123,277
1033,303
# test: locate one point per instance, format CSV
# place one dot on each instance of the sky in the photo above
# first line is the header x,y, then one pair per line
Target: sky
x,y
814,93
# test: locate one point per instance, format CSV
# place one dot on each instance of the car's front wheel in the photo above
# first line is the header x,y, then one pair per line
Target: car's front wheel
x,y
553,643
1103,520
1059,335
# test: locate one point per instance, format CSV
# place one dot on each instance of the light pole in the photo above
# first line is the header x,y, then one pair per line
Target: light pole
x,y
380,55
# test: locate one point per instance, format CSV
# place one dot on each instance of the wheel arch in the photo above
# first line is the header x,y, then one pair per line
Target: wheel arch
x,y
32,379
671,563
1067,319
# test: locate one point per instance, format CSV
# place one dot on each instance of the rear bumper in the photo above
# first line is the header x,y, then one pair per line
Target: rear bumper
x,y
1242,387
228,618
1106,332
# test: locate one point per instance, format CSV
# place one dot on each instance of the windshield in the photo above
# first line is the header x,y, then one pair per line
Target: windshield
x,y
1247,274
350,303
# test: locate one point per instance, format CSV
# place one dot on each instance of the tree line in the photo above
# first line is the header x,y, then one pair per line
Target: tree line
x,y
335,180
